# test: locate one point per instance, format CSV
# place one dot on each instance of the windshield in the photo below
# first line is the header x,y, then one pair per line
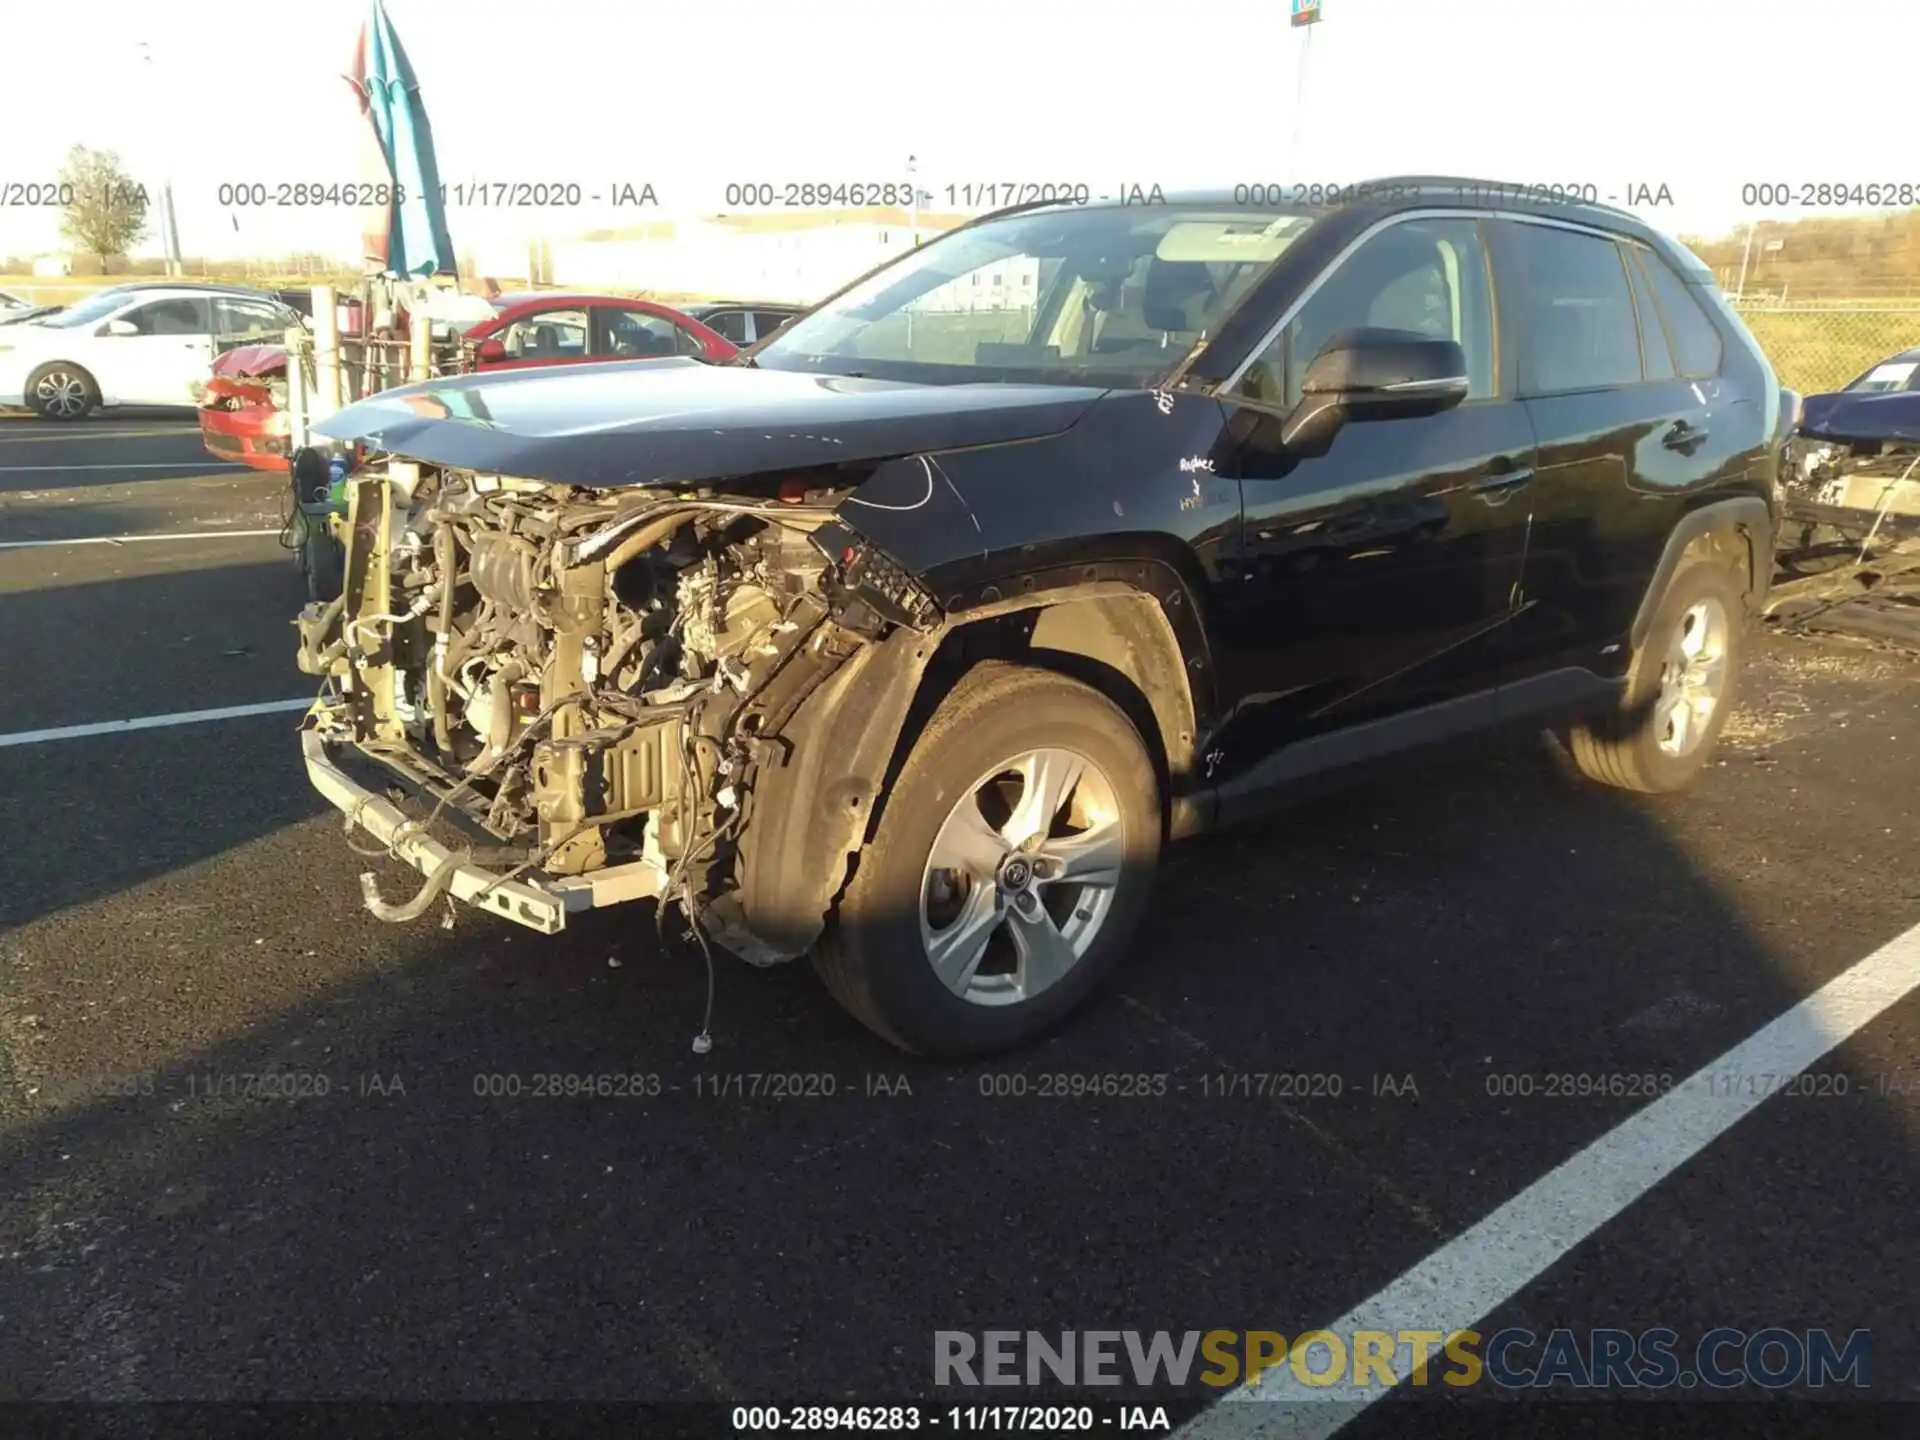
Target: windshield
x,y
1891,375
89,311
1112,295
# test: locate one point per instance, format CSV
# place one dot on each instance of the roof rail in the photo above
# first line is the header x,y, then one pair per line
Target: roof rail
x,y
1520,192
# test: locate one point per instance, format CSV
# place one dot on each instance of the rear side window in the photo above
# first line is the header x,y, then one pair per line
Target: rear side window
x,y
730,323
1576,312
765,322
1696,342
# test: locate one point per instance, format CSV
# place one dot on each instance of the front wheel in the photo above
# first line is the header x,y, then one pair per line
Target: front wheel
x,y
1010,867
61,392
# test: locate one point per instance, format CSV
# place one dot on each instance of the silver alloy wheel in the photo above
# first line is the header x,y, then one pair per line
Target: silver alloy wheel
x,y
1021,877
62,393
1693,678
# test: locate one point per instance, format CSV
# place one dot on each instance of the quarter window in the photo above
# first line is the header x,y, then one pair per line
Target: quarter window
x,y
1696,340
1428,277
1577,324
730,323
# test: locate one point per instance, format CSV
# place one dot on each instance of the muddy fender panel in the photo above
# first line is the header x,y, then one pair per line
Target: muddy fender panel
x,y
811,811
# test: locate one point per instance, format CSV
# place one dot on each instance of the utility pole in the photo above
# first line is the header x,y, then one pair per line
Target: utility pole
x,y
169,226
1741,290
913,202
1306,13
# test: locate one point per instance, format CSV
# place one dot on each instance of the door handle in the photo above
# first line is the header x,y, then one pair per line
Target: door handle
x,y
1684,437
1496,482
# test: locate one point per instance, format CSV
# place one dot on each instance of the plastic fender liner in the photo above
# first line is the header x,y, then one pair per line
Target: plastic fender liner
x,y
1746,516
812,811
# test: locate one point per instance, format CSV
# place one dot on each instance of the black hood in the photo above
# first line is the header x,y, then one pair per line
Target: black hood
x,y
682,421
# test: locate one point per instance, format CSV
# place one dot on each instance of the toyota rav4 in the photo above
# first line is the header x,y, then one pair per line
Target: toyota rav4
x,y
907,638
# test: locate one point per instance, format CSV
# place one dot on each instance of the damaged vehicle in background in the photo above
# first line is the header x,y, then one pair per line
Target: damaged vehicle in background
x,y
907,640
243,414
1849,551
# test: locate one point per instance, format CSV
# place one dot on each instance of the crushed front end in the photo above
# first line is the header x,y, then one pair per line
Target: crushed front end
x,y
547,698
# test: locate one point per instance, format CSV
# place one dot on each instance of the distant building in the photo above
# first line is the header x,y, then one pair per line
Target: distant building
x,y
794,255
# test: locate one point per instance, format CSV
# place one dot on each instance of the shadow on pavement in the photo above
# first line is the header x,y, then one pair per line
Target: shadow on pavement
x,y
443,1222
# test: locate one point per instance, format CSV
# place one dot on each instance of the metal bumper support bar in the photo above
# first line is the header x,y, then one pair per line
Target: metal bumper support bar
x,y
535,900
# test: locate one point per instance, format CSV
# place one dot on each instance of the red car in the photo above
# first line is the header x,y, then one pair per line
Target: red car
x,y
242,415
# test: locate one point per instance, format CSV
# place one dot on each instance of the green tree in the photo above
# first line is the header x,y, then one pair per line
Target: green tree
x,y
106,213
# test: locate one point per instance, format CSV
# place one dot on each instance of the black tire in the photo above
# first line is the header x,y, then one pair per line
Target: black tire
x,y
320,558
71,393
872,957
1623,747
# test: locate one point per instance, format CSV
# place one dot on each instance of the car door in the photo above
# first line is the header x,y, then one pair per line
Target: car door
x,y
1624,407
169,351
1378,578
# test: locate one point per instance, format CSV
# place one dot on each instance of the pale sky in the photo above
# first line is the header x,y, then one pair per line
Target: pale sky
x,y
1701,96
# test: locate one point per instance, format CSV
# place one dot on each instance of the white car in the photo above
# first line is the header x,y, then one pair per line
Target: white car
x,y
147,346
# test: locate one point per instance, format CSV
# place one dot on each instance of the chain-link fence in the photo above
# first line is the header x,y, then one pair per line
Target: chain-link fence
x,y
1816,348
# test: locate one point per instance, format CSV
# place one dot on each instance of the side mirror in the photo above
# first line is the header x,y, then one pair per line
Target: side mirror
x,y
122,327
491,352
1373,375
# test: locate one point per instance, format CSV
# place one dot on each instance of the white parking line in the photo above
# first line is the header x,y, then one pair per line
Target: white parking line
x,y
142,465
1481,1269
69,437
131,539
152,722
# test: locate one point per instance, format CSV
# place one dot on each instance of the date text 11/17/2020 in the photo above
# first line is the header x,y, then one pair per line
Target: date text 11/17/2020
x,y
460,194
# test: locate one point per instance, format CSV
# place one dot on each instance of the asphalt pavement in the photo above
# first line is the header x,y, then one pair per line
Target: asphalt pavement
x,y
259,1145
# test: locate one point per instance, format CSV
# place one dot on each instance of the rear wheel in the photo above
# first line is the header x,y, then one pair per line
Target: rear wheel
x,y
1679,688
1010,867
61,391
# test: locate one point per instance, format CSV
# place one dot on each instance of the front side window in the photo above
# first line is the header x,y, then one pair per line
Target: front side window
x,y
1577,327
547,335
179,316
1428,277
1102,295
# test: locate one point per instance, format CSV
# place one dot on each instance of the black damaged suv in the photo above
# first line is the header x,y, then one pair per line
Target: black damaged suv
x,y
908,638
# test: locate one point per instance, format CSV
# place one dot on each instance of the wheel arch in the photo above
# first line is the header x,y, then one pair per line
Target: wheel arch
x,y
1738,530
1126,628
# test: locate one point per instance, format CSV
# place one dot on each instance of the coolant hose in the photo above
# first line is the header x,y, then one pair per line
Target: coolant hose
x,y
435,886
